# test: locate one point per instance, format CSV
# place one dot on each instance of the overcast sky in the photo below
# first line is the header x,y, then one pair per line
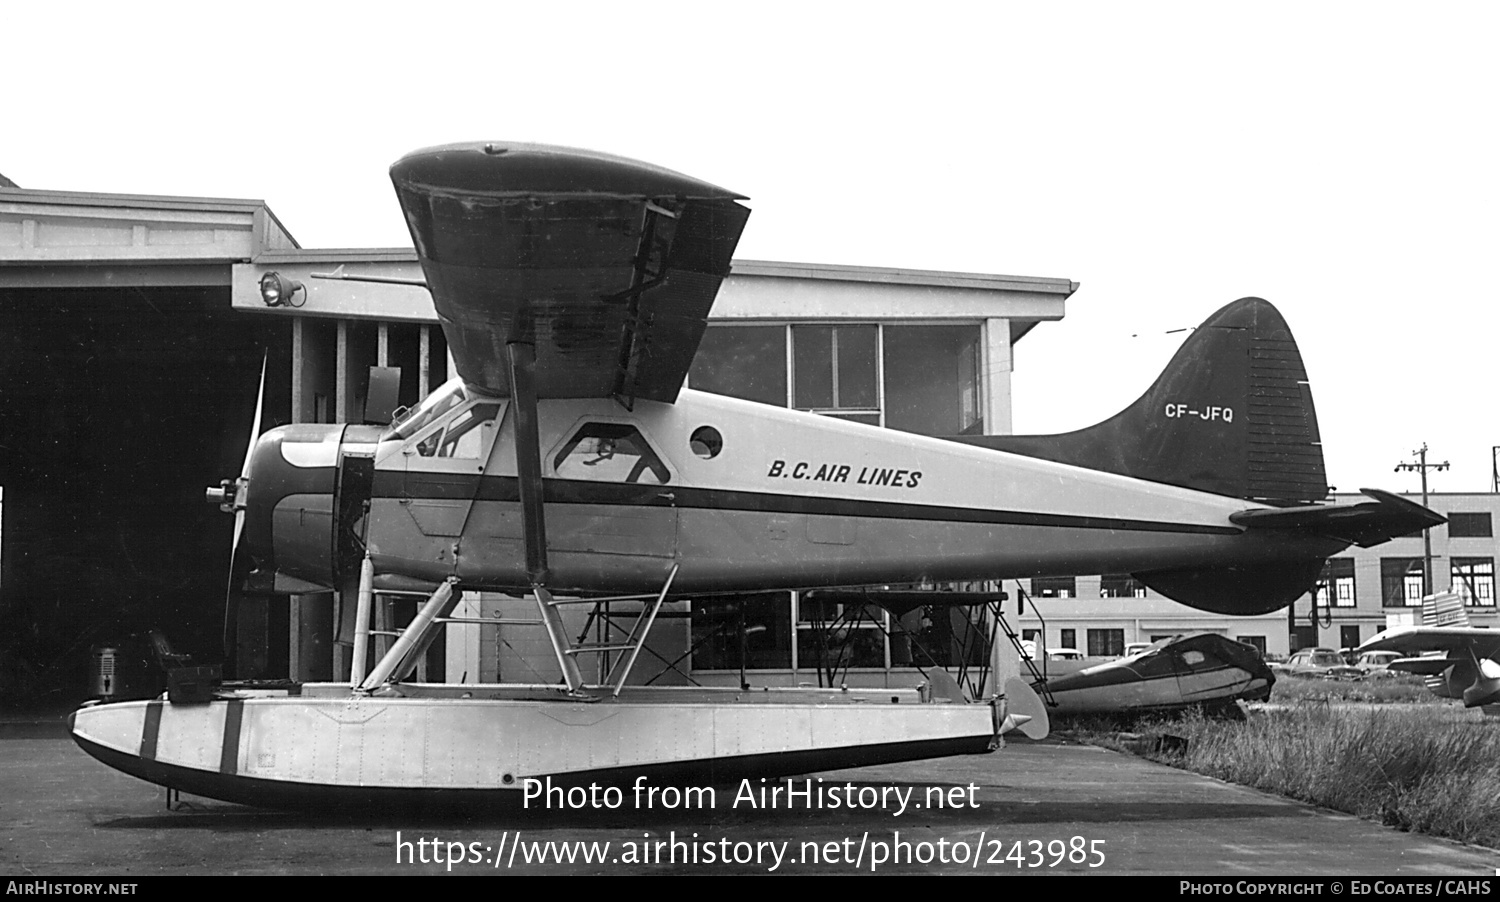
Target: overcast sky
x,y
1338,159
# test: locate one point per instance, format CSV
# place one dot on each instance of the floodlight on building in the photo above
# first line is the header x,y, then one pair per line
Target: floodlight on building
x,y
276,291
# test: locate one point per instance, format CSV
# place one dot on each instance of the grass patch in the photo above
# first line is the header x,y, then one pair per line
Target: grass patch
x,y
1415,768
1395,688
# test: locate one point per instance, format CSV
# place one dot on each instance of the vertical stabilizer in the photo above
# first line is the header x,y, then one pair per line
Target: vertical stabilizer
x,y
1232,414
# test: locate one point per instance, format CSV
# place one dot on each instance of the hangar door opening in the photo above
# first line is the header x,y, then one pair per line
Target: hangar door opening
x,y
119,406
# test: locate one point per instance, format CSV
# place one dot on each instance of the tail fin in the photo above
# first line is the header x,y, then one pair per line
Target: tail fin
x,y
1231,414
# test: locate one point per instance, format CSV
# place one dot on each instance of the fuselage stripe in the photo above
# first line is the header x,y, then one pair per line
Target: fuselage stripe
x,y
394,485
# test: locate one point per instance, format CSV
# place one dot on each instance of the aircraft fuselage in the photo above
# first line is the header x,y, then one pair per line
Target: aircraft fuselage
x,y
742,496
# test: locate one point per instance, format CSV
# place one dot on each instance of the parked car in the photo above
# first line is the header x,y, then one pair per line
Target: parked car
x,y
1378,663
1064,654
1318,662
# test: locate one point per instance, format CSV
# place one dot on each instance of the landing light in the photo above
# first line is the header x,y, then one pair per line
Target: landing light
x,y
277,291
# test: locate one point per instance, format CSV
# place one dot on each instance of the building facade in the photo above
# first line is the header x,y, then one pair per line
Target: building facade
x,y
1361,592
926,352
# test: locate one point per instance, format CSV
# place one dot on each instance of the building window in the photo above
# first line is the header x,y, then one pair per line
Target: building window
x,y
945,635
1069,638
1121,585
834,371
923,379
932,379
1054,587
742,362
833,636
1256,642
1349,637
1401,582
1106,643
749,631
1335,588
1469,526
1478,575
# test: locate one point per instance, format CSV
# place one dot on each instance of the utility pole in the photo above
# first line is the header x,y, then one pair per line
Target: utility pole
x,y
1422,466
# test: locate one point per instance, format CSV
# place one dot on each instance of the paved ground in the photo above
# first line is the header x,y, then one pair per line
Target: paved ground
x,y
1041,807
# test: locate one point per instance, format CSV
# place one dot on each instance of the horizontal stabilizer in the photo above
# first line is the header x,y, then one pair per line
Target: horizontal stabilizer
x,y
1365,524
1427,666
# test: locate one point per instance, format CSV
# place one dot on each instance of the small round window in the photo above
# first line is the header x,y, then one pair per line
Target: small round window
x,y
706,442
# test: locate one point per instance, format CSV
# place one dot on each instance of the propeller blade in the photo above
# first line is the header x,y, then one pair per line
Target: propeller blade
x,y
260,405
238,567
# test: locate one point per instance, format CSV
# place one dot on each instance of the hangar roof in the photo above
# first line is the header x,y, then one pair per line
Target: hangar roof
x,y
754,290
81,239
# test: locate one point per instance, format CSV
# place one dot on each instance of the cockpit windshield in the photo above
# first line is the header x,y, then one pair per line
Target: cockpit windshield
x,y
412,421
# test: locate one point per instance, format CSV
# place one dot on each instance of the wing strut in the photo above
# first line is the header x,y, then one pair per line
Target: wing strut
x,y
522,358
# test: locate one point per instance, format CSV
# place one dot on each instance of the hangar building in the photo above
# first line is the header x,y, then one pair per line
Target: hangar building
x,y
135,328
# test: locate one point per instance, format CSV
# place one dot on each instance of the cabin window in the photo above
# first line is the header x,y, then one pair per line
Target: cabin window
x,y
706,442
1478,575
1165,664
610,452
1196,659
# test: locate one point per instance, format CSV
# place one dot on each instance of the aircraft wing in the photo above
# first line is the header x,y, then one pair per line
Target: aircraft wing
x,y
1368,523
608,266
1484,643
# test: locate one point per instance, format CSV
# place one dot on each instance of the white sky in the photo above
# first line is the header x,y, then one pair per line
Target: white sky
x,y
1338,159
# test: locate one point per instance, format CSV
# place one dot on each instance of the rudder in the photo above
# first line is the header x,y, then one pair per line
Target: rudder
x,y
1231,414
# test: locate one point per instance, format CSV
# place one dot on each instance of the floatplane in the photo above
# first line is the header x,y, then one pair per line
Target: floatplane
x,y
1205,672
1454,659
567,463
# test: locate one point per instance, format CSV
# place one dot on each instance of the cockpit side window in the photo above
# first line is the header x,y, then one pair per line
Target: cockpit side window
x,y
1162,664
466,437
610,452
435,405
